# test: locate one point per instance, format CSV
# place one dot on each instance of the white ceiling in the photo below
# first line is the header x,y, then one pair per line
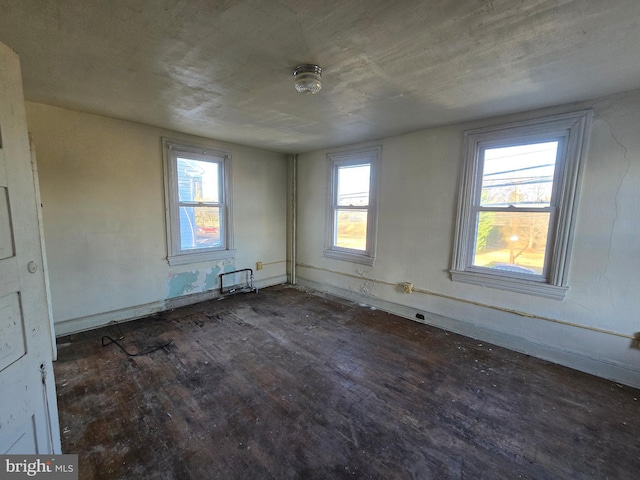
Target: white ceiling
x,y
223,69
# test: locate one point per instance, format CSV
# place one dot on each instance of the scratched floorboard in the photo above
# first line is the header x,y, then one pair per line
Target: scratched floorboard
x,y
290,384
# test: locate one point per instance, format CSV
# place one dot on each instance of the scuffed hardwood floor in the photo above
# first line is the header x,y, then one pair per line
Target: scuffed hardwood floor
x,y
293,384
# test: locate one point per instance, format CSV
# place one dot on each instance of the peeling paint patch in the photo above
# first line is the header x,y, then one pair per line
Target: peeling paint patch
x,y
181,283
366,288
211,279
198,281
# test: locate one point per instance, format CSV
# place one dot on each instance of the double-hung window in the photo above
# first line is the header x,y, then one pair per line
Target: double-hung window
x,y
197,192
352,205
517,206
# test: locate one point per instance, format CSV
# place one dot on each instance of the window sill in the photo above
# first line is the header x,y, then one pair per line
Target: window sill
x,y
360,258
186,258
513,284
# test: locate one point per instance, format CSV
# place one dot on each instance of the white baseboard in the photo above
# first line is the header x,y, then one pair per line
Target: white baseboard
x,y
90,322
601,367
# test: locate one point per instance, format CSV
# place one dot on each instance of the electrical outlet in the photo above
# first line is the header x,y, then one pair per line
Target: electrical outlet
x,y
259,266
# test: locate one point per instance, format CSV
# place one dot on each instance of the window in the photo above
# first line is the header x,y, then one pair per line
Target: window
x,y
197,192
518,198
352,205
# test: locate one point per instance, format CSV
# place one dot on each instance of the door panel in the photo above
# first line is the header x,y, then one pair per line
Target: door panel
x,y
25,439
12,334
28,409
6,240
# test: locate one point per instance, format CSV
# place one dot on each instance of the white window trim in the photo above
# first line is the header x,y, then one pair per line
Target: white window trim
x,y
574,129
372,156
174,254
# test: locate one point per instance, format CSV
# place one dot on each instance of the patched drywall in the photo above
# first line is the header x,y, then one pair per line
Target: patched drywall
x,y
102,188
197,281
591,329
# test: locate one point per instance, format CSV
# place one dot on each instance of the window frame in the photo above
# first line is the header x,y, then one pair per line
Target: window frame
x,y
572,131
363,156
172,149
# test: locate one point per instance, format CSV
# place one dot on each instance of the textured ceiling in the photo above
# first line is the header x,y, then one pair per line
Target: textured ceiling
x,y
223,69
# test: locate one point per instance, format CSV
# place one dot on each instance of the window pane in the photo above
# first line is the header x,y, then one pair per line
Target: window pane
x,y
520,176
353,185
199,227
351,229
512,241
198,181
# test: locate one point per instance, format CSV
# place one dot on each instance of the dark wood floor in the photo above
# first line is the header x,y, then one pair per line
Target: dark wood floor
x,y
290,384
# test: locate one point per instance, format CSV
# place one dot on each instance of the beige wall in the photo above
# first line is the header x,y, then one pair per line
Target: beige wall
x,y
103,206
101,182
589,330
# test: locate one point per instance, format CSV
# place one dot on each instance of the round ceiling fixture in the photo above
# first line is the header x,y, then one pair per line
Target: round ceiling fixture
x,y
308,78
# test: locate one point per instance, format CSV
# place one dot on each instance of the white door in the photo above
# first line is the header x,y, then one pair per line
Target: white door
x,y
28,408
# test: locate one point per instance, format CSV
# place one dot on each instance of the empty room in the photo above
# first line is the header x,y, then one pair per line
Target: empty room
x,y
290,239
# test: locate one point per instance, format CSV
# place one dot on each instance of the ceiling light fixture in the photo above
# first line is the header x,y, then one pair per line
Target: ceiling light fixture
x,y
308,78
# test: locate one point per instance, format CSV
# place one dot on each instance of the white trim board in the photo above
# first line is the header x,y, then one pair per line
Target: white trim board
x,y
91,322
605,368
